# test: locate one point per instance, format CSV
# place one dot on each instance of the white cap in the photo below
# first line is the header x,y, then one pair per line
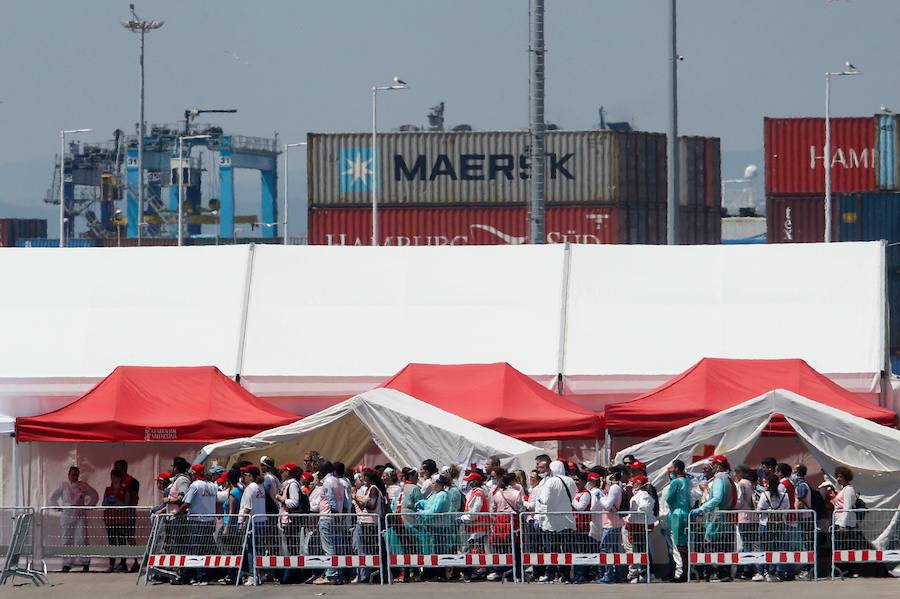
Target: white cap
x,y
826,483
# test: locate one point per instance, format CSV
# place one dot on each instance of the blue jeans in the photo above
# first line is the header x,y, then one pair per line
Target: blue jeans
x,y
328,531
611,542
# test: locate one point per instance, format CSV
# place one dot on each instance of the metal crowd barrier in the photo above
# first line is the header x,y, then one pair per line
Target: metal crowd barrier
x,y
776,540
864,536
19,548
596,544
327,542
196,541
80,534
452,539
7,526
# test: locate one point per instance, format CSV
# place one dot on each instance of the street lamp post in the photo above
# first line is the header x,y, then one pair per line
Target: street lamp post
x,y
62,181
136,25
181,141
286,148
399,84
849,69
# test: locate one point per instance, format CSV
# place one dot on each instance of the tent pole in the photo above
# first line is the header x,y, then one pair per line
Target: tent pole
x,y
16,470
607,446
245,309
597,455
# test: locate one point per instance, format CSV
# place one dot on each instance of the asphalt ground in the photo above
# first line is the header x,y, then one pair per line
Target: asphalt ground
x,y
113,586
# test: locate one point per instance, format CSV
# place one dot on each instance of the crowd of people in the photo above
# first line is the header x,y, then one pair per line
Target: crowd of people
x,y
568,508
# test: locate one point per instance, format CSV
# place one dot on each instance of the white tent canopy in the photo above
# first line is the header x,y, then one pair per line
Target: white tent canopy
x,y
833,437
405,429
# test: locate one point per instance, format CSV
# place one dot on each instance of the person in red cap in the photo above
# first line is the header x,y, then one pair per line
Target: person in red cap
x,y
640,522
478,523
719,536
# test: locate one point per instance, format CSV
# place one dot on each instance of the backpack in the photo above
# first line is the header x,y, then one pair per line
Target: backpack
x,y
860,505
817,504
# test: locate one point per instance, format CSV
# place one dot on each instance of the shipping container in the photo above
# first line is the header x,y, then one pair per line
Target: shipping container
x,y
486,168
869,216
698,225
887,173
460,225
625,223
7,232
794,155
78,242
700,172
800,219
12,229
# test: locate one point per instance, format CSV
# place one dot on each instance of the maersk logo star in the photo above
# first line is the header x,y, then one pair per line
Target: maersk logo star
x,y
356,168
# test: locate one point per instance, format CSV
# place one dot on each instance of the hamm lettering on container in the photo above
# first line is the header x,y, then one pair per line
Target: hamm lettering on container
x,y
487,168
795,155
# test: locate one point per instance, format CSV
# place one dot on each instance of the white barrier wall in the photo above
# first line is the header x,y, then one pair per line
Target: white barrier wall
x,y
640,311
327,320
328,312
69,317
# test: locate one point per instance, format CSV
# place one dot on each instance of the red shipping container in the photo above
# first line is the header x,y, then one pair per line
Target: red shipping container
x,y
794,155
7,232
461,226
799,220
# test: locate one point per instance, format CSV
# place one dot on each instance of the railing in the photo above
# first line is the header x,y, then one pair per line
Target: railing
x,y
78,535
604,546
864,536
777,542
328,542
202,542
458,539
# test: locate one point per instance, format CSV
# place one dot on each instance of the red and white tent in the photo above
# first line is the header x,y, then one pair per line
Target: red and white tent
x,y
144,415
715,384
196,404
499,397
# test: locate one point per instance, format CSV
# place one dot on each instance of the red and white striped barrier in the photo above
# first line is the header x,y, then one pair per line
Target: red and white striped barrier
x,y
466,559
867,555
753,557
318,561
583,559
194,561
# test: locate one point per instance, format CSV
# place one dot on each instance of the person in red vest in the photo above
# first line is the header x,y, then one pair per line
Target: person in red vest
x,y
792,537
132,491
478,522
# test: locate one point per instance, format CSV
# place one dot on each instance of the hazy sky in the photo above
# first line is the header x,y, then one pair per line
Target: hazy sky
x,y
299,66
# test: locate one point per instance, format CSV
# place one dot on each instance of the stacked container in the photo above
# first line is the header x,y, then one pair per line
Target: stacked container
x,y
865,201
13,229
459,188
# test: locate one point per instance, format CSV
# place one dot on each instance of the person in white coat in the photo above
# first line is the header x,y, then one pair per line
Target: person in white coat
x,y
556,496
71,493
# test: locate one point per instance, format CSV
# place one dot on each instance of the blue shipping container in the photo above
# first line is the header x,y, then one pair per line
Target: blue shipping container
x,y
887,139
869,216
54,243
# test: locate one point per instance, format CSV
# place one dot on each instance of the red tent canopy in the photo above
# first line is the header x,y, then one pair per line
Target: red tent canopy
x,y
714,384
134,403
499,397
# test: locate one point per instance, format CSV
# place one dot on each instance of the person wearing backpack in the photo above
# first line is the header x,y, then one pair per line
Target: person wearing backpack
x,y
291,500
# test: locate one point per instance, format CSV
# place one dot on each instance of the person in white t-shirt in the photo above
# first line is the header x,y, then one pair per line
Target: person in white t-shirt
x,y
253,500
199,504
